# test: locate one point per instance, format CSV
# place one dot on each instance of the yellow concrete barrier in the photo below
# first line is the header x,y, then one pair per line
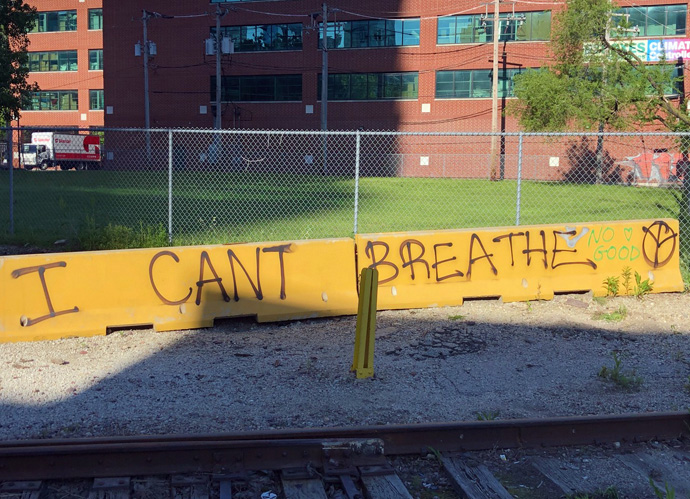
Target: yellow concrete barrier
x,y
438,268
52,296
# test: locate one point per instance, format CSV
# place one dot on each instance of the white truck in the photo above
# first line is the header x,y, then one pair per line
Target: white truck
x,y
63,150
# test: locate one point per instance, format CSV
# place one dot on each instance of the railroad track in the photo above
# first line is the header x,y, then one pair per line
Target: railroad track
x,y
355,462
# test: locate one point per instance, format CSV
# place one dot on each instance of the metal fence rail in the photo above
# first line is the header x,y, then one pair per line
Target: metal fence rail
x,y
206,186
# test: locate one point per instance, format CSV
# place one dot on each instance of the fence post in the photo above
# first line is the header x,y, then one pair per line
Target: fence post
x,y
357,148
10,163
170,170
519,180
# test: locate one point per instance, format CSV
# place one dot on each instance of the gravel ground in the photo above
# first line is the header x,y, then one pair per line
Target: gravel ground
x,y
485,359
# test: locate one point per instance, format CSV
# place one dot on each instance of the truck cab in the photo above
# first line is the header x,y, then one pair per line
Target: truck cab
x,y
35,155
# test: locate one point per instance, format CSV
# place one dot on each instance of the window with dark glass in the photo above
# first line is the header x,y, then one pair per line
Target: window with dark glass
x,y
96,59
96,100
95,18
259,88
536,26
62,20
473,83
371,33
55,100
264,37
657,20
371,86
62,60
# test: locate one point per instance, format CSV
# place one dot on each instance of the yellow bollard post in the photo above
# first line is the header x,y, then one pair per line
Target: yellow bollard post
x,y
363,361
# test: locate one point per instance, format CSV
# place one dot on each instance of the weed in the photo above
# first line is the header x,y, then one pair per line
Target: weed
x,y
686,386
641,287
667,493
611,284
437,455
616,316
487,415
627,381
678,356
626,275
608,493
529,306
599,300
92,237
457,317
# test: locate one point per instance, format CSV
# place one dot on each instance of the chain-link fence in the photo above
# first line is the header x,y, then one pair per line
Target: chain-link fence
x,y
115,186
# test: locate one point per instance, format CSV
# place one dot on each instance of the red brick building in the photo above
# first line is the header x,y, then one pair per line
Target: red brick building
x,y
394,64
66,60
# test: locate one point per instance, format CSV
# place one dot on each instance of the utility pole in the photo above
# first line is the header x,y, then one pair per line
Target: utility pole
x,y
496,19
324,84
324,70
145,49
217,122
146,52
494,90
599,172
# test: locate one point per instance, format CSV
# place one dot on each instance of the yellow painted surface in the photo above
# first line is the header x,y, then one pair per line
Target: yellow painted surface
x,y
365,330
439,268
51,296
59,295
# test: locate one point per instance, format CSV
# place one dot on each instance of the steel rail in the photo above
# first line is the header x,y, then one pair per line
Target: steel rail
x,y
235,452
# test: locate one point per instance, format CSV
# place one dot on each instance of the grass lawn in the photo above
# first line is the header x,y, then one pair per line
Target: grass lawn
x,y
232,207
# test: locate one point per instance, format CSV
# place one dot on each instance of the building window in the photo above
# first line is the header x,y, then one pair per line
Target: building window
x,y
371,33
95,18
371,86
62,20
264,37
96,60
259,88
470,29
63,60
55,100
657,20
473,84
96,100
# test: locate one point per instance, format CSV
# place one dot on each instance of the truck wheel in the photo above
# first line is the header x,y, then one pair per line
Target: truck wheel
x,y
28,167
44,166
80,166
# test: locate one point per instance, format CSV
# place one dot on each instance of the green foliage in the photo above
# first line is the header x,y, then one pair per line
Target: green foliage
x,y
686,386
92,237
616,316
437,455
487,415
667,493
627,381
611,284
592,82
642,287
626,275
16,20
457,317
608,493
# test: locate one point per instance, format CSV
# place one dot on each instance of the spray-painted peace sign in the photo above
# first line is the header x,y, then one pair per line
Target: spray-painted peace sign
x,y
661,243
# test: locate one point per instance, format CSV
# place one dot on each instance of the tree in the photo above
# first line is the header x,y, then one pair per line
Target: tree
x,y
596,79
16,20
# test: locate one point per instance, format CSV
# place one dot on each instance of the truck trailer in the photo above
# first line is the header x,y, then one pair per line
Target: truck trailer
x,y
62,150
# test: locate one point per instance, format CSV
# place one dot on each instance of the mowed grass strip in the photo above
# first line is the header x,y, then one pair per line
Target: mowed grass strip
x,y
214,207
